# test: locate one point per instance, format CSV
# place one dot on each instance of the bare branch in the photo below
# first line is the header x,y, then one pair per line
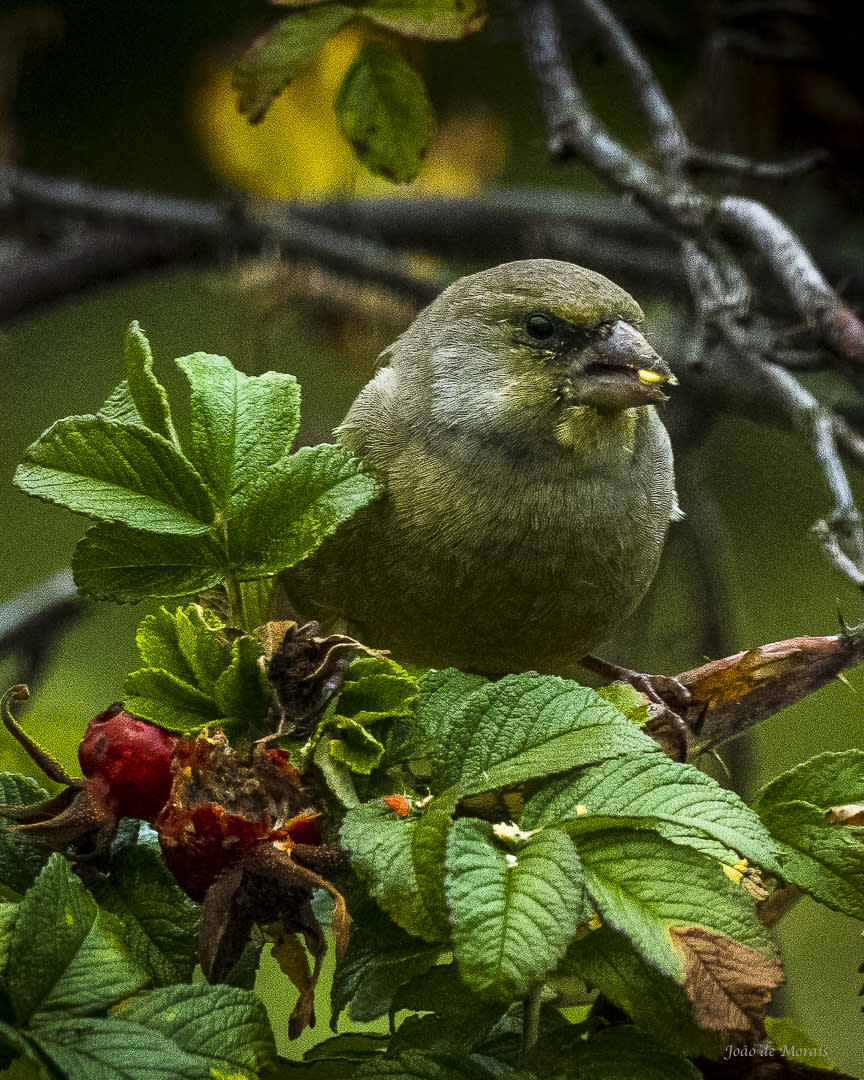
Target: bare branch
x,y
670,142
843,530
831,546
794,269
213,227
573,128
31,622
715,161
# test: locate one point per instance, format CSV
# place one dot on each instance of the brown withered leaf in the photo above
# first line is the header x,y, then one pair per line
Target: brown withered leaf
x,y
853,814
290,953
728,696
270,888
728,984
305,670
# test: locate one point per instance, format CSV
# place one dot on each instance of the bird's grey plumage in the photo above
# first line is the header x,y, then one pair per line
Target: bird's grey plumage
x,y
527,483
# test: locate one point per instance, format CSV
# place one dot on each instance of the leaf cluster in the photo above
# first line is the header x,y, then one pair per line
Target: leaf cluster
x,y
90,990
229,503
557,854
193,676
382,106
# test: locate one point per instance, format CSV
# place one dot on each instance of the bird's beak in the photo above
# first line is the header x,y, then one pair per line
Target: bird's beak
x,y
621,370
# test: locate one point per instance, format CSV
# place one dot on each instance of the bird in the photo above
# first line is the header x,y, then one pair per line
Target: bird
x,y
527,479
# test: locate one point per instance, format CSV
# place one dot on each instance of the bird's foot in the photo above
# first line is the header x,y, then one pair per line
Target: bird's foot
x,y
667,697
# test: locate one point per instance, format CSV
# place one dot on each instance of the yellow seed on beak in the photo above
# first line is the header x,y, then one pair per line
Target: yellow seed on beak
x,y
646,376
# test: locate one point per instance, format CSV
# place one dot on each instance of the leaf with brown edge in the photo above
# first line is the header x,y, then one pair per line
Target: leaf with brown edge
x,y
853,814
729,984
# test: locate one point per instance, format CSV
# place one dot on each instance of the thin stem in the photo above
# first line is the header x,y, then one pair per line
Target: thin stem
x,y
531,1021
48,764
236,611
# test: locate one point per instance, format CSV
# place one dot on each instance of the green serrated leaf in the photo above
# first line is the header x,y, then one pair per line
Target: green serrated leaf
x,y
608,961
117,471
376,687
352,1046
158,645
160,921
162,697
114,562
375,690
428,848
203,679
241,424
826,860
433,20
120,406
823,857
417,1065
353,745
384,113
8,916
684,804
519,728
275,58
110,1049
380,957
207,656
380,847
64,954
20,861
615,1053
242,691
643,883
826,780
466,1017
25,1060
223,1026
147,393
99,973
513,910
628,699
300,502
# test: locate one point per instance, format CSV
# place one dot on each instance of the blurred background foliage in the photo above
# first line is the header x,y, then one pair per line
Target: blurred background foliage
x,y
139,96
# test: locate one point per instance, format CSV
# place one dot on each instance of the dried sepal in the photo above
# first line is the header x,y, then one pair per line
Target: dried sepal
x,y
306,672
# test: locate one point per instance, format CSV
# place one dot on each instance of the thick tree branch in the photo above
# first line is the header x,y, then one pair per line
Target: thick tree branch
x,y
211,228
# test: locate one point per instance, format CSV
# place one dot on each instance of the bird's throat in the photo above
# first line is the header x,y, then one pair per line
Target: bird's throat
x,y
588,430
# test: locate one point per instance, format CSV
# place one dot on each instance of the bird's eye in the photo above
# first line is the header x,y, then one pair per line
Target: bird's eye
x,y
539,326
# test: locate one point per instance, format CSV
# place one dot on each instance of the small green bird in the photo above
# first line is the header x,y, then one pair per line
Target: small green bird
x,y
527,479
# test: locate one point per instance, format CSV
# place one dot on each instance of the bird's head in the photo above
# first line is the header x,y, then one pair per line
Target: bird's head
x,y
529,349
